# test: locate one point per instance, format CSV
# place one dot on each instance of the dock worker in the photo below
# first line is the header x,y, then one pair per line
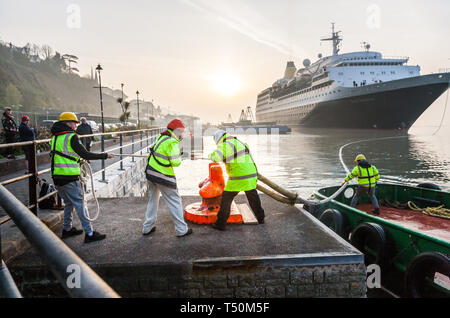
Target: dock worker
x,y
242,176
66,151
367,176
165,154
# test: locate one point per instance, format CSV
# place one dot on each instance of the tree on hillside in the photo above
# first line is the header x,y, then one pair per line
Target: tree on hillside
x,y
11,95
35,50
27,49
69,60
59,62
47,51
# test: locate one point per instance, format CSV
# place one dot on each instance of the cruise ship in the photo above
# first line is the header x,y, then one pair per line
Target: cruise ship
x,y
358,90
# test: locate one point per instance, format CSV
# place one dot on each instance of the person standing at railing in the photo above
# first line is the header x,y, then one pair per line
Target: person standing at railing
x,y
66,152
10,130
26,133
85,129
165,154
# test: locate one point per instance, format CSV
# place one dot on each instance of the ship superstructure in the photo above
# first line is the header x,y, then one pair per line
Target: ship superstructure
x,y
351,90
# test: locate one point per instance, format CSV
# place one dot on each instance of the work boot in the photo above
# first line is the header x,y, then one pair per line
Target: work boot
x,y
189,231
72,232
218,227
149,232
261,221
376,211
94,237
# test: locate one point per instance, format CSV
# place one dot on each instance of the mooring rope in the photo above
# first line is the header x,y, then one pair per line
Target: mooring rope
x,y
86,170
439,211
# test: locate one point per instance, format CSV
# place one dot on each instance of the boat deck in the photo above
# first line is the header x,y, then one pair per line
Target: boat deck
x,y
415,220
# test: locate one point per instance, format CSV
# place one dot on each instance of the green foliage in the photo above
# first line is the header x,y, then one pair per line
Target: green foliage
x,y
47,84
11,95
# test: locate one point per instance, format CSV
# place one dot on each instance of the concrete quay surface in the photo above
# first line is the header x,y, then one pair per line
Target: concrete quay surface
x,y
291,255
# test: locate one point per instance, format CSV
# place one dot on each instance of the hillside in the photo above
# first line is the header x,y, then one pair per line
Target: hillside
x,y
42,83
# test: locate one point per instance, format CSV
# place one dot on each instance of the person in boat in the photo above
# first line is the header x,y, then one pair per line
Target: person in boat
x,y
242,176
367,176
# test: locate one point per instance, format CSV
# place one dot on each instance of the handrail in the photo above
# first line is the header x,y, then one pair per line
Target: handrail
x,y
33,161
41,141
60,258
8,288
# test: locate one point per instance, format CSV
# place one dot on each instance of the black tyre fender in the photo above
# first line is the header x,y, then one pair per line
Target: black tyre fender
x,y
429,185
422,266
336,221
377,235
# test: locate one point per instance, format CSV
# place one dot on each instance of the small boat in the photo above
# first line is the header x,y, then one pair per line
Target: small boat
x,y
411,247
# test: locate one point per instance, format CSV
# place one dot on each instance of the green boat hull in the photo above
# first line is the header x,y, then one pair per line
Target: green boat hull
x,y
403,243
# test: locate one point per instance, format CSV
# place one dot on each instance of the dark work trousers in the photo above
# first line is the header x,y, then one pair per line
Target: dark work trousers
x,y
362,190
10,137
227,199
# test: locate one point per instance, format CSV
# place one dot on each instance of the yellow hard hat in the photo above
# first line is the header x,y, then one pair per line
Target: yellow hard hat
x,y
68,116
360,157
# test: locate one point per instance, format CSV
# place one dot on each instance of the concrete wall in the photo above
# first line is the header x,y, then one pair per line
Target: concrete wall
x,y
130,182
175,280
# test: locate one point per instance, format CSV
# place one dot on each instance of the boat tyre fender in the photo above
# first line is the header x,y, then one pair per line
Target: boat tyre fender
x,y
429,185
370,235
336,221
421,271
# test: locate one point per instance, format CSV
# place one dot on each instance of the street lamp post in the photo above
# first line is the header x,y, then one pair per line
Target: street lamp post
x,y
139,122
98,69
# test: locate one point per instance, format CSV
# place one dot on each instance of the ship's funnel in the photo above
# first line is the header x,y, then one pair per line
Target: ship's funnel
x,y
290,70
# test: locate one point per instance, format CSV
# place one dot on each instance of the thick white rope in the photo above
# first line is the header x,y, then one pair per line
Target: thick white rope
x,y
86,169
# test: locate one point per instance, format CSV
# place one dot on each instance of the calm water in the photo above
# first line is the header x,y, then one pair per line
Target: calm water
x,y
308,159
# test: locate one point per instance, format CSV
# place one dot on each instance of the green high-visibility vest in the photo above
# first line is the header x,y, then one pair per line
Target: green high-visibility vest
x,y
367,177
165,155
241,169
65,161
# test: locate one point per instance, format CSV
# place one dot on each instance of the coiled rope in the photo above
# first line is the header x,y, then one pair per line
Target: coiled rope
x,y
439,211
86,170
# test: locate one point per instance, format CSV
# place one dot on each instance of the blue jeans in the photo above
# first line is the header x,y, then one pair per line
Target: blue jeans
x,y
360,191
71,194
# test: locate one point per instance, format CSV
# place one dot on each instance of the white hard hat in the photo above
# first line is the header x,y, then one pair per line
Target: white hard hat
x,y
218,135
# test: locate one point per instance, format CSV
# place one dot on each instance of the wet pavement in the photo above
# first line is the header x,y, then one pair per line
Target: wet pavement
x,y
287,231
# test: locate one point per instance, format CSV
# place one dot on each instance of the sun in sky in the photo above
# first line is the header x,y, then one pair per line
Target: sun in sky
x,y
226,83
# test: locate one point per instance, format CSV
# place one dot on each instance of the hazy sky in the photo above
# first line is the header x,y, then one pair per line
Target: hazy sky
x,y
212,57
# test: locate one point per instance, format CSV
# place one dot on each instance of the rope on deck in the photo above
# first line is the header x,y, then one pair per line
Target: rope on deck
x,y
439,211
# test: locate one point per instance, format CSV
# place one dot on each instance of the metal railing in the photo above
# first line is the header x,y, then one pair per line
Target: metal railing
x,y
34,173
57,255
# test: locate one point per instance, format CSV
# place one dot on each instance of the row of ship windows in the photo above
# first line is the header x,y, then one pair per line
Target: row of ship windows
x,y
373,73
369,64
318,95
306,98
360,58
308,90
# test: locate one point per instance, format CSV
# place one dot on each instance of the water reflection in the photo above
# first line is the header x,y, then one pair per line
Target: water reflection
x,y
308,159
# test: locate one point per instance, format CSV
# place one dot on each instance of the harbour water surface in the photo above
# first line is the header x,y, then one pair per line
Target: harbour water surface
x,y
306,160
